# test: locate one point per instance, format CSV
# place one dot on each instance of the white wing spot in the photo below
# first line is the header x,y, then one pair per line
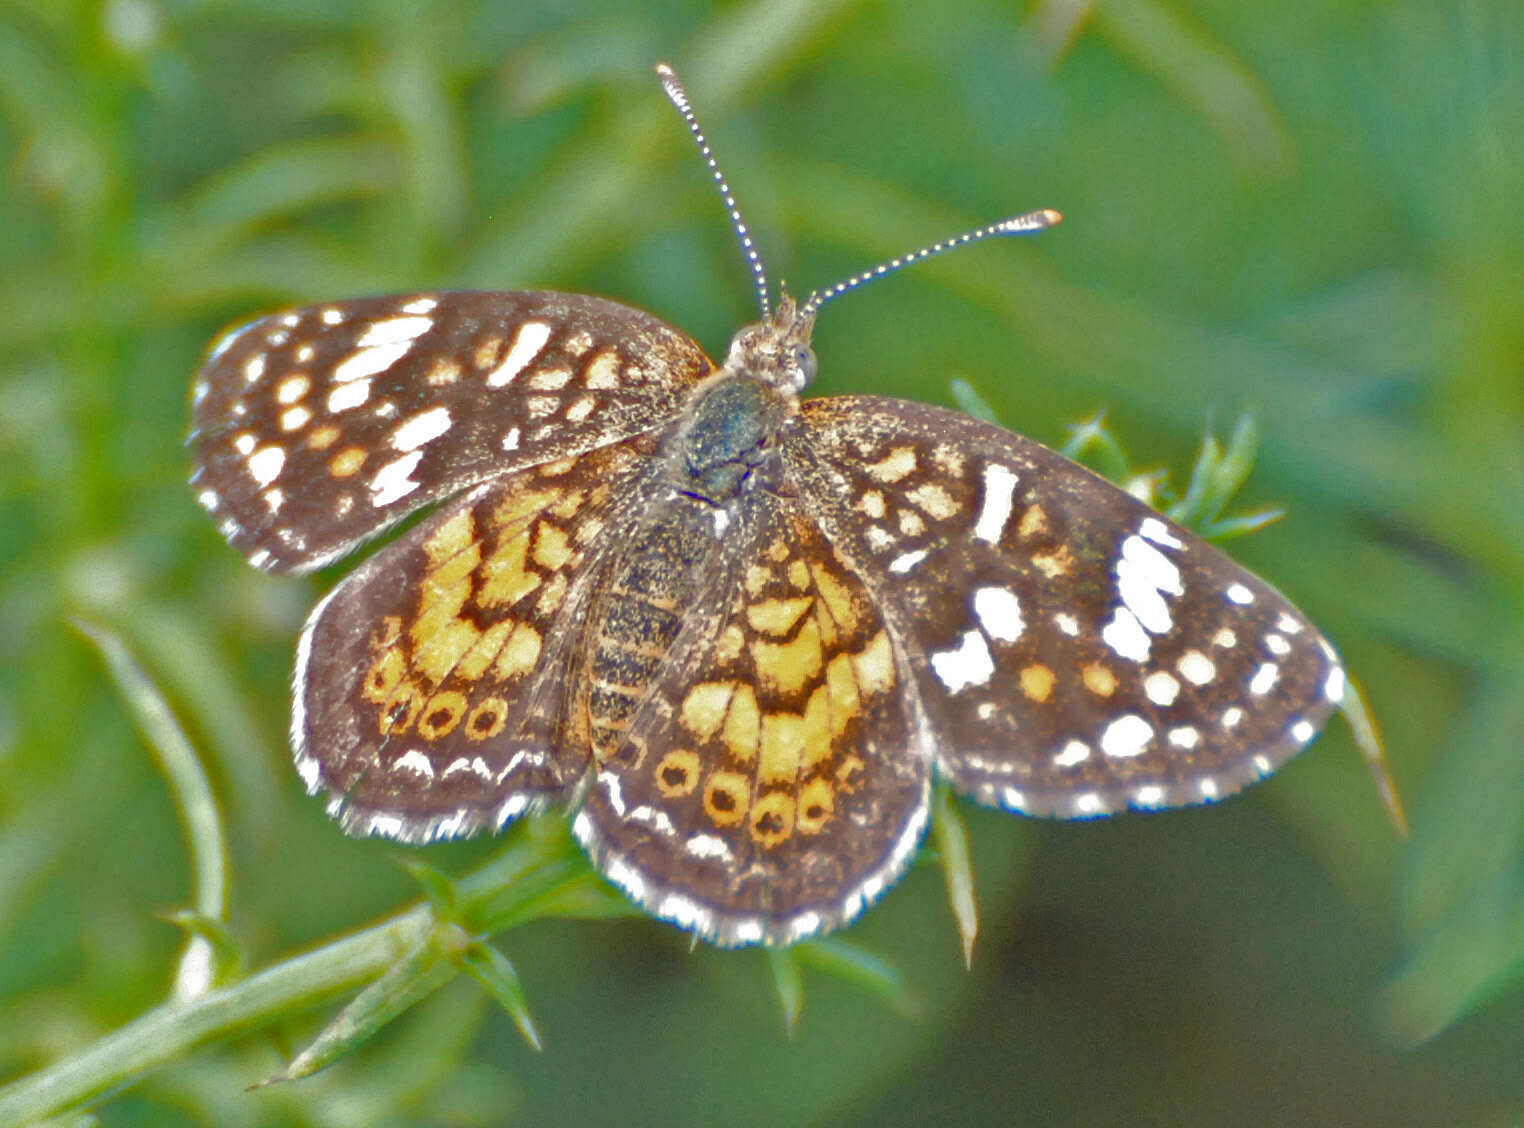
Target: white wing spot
x,y
1089,803
274,499
1185,736
244,444
1196,667
421,429
1302,731
708,846
416,762
1126,635
527,343
999,489
394,480
1225,638
393,331
1288,624
511,439
999,613
902,564
1149,795
1232,717
346,396
421,305
1262,765
1127,736
265,466
1208,788
1277,645
1067,623
1144,576
1158,532
1333,688
333,315
1264,678
1013,799
1241,595
1075,752
254,368
295,418
370,361
970,664
1162,688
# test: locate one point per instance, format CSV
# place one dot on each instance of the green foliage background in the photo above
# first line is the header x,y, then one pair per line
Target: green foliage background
x,y
1309,209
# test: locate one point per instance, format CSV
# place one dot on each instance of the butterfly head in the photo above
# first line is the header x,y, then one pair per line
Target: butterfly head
x,y
776,350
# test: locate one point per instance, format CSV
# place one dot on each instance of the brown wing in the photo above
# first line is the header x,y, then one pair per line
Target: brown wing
x,y
777,778
430,686
315,429
1075,652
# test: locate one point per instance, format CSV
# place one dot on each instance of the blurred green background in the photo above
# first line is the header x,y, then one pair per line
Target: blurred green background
x,y
1310,210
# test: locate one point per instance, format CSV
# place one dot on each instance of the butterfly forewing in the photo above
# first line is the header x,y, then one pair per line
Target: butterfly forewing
x,y
315,428
776,778
432,684
1076,653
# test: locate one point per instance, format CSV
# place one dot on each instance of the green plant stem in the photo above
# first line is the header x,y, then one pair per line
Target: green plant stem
x,y
169,1032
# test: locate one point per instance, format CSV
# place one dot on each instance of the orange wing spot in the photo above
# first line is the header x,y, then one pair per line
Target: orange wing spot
x,y
841,688
347,462
757,578
1053,564
441,713
778,551
552,548
485,354
849,775
949,458
602,372
704,708
522,504
557,468
571,504
445,370
743,724
1037,682
384,675
872,503
678,773
730,644
476,661
440,644
400,708
450,540
893,466
487,719
1033,521
782,745
837,597
505,577
817,728
911,523
817,802
726,797
789,666
321,438
519,654
933,500
874,666
777,616
798,575
1099,680
772,820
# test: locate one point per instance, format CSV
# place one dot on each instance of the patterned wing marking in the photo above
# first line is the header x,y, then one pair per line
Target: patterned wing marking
x,y
317,428
778,766
1077,653
431,683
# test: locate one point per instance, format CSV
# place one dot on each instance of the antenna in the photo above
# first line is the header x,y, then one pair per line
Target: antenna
x,y
679,98
1029,224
